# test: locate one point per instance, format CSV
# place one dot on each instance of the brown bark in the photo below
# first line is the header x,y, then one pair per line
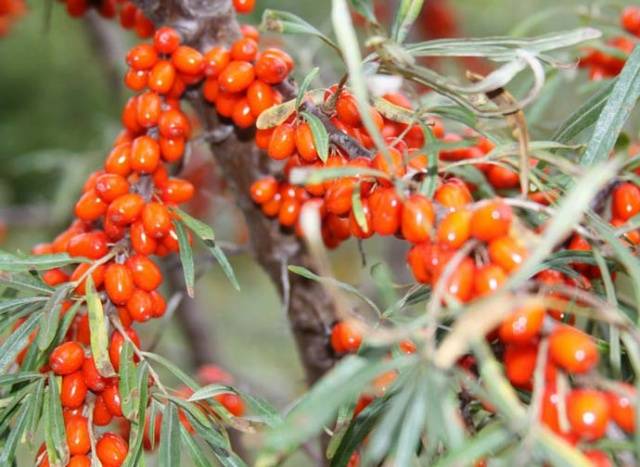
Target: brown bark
x,y
311,312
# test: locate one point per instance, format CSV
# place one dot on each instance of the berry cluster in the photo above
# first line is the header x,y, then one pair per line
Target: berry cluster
x,y
129,15
602,65
10,10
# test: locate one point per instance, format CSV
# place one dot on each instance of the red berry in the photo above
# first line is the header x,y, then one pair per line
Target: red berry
x,y
66,358
572,350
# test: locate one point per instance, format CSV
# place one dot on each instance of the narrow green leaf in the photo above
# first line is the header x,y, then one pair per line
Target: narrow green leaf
x,y
54,432
36,414
177,372
209,391
412,426
358,209
284,22
197,456
365,9
19,377
169,455
186,258
304,87
203,231
222,259
16,342
304,272
489,440
136,436
405,17
9,305
616,112
320,135
9,449
26,282
127,383
51,318
15,263
98,328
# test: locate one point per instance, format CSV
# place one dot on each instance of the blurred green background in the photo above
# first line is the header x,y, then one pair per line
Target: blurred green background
x,y
59,111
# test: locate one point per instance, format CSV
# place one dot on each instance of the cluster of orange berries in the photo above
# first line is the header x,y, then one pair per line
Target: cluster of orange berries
x,y
10,10
125,216
129,15
602,65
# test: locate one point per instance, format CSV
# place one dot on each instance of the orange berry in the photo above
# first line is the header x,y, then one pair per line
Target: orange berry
x,y
347,109
394,167
136,80
455,229
337,198
242,116
177,191
97,276
261,97
67,358
156,219
92,245
140,305
172,149
188,60
386,209
111,449
142,57
226,103
453,194
507,253
210,90
346,337
236,77
90,207
289,212
115,346
92,378
572,350
491,220
79,461
625,201
125,209
118,282
146,274
488,279
142,242
110,186
623,409
73,390
166,40
174,124
101,414
520,363
264,189
588,413
145,154
54,277
282,143
523,324
304,141
162,77
244,7
216,60
77,430
119,160
244,49
159,304
630,19
271,69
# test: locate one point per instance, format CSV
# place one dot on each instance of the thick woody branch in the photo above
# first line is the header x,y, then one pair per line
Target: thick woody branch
x,y
204,23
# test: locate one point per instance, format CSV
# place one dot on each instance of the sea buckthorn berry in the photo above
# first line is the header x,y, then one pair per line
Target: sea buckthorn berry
x,y
125,209
347,109
136,80
244,49
522,324
166,40
361,231
116,343
140,306
264,189
454,230
507,253
491,220
232,402
177,191
346,336
109,186
171,149
453,194
337,199
305,143
572,350
386,209
119,160
588,413
148,108
625,201
244,7
79,461
112,450
128,15
236,77
92,378
188,60
118,283
502,178
261,96
598,458
226,103
630,19
92,245
90,206
142,242
271,69
67,358
418,218
73,390
146,275
159,304
211,90
143,25
242,116
156,219
392,164
460,283
488,279
77,8
142,57
81,270
216,60
622,406
77,430
54,277
282,143
161,77
174,124
520,363
281,54
101,414
111,397
289,212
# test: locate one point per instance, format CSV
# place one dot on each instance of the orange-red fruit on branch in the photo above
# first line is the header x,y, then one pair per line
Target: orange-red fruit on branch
x,y
110,186
146,275
237,76
283,142
507,253
92,378
125,209
166,40
386,209
156,219
66,358
73,390
623,408
454,230
523,324
588,413
488,278
92,245
572,350
271,69
77,430
162,77
115,345
177,191
90,206
142,57
118,283
263,190
188,60
625,201
111,449
244,6
418,218
79,461
491,220
346,337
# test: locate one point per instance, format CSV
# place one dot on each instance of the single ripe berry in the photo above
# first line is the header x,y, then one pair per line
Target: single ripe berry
x,y
572,350
305,143
140,306
156,219
491,220
188,60
488,278
77,430
142,57
523,324
244,49
116,343
136,80
391,163
145,154
244,6
454,230
177,191
66,358
625,201
109,186
92,378
630,19
283,143
236,77
146,275
386,208
418,218
162,77
101,414
159,304
125,209
92,245
347,109
171,150
141,241
588,413
111,449
73,390
520,363
346,337
166,40
119,159
242,116
232,402
507,253
79,461
216,60
118,283
263,190
90,207
271,69
622,406
337,199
